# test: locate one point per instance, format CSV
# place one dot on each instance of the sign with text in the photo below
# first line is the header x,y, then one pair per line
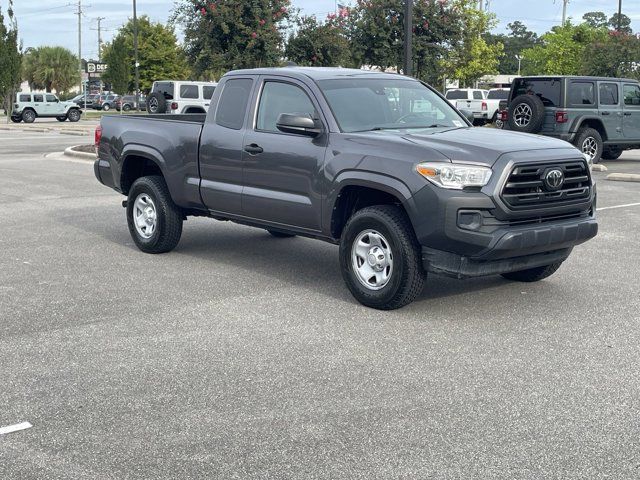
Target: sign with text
x,y
95,67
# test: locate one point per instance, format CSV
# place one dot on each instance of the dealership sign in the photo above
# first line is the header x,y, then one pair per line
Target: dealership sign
x,y
95,67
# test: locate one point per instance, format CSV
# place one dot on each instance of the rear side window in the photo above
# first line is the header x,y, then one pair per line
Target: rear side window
x,y
38,98
582,93
477,95
632,95
456,95
233,103
207,92
608,94
166,88
51,98
547,89
25,98
189,91
278,98
498,95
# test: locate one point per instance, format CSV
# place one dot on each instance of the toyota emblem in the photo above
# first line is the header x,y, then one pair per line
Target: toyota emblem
x,y
554,179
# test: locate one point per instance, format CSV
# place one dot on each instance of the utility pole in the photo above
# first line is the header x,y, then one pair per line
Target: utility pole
x,y
619,15
79,13
408,40
564,11
135,55
99,19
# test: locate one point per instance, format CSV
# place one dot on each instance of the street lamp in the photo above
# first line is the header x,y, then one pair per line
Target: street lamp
x,y
519,58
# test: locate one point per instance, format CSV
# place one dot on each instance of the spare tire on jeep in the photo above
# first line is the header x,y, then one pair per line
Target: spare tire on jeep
x,y
156,103
526,114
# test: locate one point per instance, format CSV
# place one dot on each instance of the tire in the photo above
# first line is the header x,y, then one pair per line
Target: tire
x,y
276,234
589,141
16,119
156,103
388,231
167,229
611,153
61,119
74,115
526,114
126,107
28,116
106,107
533,274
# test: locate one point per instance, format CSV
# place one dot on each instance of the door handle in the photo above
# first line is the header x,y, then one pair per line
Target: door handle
x,y
605,113
253,149
627,114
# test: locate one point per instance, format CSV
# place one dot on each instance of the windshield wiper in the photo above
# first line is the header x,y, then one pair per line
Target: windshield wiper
x,y
405,127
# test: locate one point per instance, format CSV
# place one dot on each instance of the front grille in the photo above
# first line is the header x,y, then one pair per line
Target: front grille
x,y
526,187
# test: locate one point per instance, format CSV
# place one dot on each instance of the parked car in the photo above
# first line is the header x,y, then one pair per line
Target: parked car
x,y
472,99
128,102
176,97
378,163
90,98
599,115
105,102
30,106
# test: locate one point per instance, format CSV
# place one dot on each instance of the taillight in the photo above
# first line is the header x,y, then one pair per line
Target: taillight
x,y
504,115
484,106
174,106
97,136
562,117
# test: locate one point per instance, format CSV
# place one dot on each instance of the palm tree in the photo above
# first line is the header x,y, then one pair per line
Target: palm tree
x,y
49,68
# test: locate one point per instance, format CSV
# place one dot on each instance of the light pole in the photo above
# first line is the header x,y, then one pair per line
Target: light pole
x,y
135,55
408,30
519,58
619,15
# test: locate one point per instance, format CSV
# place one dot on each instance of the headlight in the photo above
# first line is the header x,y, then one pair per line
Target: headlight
x,y
451,175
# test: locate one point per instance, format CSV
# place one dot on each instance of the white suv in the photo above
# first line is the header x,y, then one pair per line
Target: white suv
x,y
169,96
30,106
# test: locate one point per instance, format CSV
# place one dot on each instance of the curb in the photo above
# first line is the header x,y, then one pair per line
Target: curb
x,y
79,133
599,168
624,177
70,152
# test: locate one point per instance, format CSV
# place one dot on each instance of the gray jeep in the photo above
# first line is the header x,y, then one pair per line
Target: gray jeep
x,y
600,116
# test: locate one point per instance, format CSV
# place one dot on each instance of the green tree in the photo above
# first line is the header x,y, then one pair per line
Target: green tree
x,y
10,60
228,34
596,19
159,56
118,60
51,68
518,39
613,56
316,43
625,23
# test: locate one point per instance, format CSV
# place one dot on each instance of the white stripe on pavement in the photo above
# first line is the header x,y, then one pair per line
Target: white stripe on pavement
x,y
15,428
618,206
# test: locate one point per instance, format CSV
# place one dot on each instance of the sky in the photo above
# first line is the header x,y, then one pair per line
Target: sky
x,y
54,22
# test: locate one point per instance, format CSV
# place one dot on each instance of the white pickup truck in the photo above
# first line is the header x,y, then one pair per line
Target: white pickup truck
x,y
483,103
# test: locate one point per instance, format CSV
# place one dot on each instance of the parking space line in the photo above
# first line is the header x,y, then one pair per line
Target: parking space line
x,y
618,206
15,428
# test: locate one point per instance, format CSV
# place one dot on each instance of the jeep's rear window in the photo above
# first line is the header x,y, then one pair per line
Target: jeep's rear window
x,y
38,98
207,92
582,93
25,98
547,89
189,91
166,88
456,95
498,95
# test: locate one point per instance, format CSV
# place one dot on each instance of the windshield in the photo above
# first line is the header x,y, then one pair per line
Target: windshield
x,y
361,104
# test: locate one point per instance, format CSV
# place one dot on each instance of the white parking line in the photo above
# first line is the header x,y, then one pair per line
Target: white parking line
x,y
15,428
618,206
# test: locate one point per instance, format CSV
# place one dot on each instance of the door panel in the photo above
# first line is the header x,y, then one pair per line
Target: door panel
x,y
221,148
631,117
282,171
609,109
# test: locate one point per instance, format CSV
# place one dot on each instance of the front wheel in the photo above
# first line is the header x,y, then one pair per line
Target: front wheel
x,y
154,221
589,142
106,107
74,115
28,116
533,274
126,108
380,258
611,153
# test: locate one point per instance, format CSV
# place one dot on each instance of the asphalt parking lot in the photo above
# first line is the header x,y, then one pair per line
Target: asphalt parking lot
x,y
239,355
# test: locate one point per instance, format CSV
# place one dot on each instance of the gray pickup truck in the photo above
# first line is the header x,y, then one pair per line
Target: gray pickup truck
x,y
378,163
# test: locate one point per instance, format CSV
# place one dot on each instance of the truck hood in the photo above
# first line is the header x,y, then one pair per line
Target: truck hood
x,y
469,144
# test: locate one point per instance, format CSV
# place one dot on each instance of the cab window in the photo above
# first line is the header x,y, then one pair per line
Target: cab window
x,y
608,94
632,95
477,95
232,106
278,98
38,98
25,98
51,99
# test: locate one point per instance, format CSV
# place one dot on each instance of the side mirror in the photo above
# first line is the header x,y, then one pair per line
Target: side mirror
x,y
467,113
301,124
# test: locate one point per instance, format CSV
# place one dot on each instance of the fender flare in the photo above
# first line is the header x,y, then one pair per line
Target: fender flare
x,y
143,151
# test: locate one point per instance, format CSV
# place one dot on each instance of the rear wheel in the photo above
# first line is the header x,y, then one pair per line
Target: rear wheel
x,y
533,274
611,153
106,107
126,107
16,119
28,116
74,115
589,142
154,221
380,258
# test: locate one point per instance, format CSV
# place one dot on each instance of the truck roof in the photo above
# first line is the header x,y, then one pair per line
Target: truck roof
x,y
316,73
